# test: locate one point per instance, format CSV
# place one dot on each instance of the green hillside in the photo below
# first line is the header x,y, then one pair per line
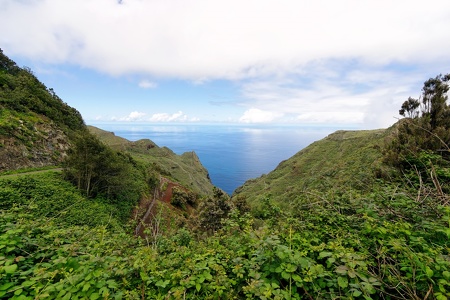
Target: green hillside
x,y
35,124
357,215
185,169
343,160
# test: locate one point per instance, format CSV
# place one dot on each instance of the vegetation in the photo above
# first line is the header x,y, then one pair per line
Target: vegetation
x,y
23,97
185,169
35,124
326,251
424,136
97,170
345,160
358,215
47,195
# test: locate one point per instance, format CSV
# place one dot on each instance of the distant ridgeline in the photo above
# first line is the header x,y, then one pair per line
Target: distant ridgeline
x,y
35,124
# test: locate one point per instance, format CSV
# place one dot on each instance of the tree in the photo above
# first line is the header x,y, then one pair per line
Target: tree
x,y
213,210
426,131
97,170
434,100
86,162
410,107
430,126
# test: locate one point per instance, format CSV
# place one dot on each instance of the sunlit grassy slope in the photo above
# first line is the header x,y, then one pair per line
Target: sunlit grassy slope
x,y
185,169
342,160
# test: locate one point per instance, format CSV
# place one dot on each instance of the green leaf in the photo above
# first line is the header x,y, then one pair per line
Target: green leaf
x,y
285,275
61,293
325,254
94,296
429,272
343,282
27,283
198,287
112,284
207,275
281,254
6,286
368,287
330,261
86,286
10,269
296,278
303,262
441,297
342,269
446,274
18,292
162,284
290,268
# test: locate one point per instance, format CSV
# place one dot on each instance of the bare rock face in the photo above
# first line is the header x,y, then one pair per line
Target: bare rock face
x,y
42,145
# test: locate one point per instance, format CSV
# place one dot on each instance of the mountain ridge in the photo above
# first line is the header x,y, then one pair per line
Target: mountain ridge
x,y
186,168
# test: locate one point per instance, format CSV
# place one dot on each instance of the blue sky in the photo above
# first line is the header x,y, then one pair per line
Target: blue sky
x,y
348,63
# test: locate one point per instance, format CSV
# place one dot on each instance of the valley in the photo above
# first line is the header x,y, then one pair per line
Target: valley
x,y
360,214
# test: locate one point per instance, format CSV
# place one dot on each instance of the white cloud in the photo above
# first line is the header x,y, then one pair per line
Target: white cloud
x,y
137,116
353,117
147,84
134,116
165,117
255,115
324,61
200,40
368,97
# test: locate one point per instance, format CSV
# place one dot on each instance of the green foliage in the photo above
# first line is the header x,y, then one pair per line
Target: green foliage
x,y
410,107
180,198
22,93
420,149
213,210
48,195
185,169
99,171
330,244
427,127
316,253
343,160
29,170
41,260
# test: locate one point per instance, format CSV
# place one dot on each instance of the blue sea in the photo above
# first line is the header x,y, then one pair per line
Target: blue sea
x,y
232,154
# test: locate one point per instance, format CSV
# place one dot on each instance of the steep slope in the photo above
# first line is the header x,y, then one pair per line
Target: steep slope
x,y
186,169
35,124
344,159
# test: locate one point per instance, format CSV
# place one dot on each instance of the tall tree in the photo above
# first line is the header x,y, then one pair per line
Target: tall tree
x,y
410,107
427,128
86,164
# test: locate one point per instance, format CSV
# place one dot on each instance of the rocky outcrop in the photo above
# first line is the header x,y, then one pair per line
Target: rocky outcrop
x,y
42,145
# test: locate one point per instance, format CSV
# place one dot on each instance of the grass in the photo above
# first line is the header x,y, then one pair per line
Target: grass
x,y
27,171
343,160
185,169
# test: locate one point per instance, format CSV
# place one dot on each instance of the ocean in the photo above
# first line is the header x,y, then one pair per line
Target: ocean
x,y
232,154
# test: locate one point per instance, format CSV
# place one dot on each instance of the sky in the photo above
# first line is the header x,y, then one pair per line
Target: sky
x,y
347,63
